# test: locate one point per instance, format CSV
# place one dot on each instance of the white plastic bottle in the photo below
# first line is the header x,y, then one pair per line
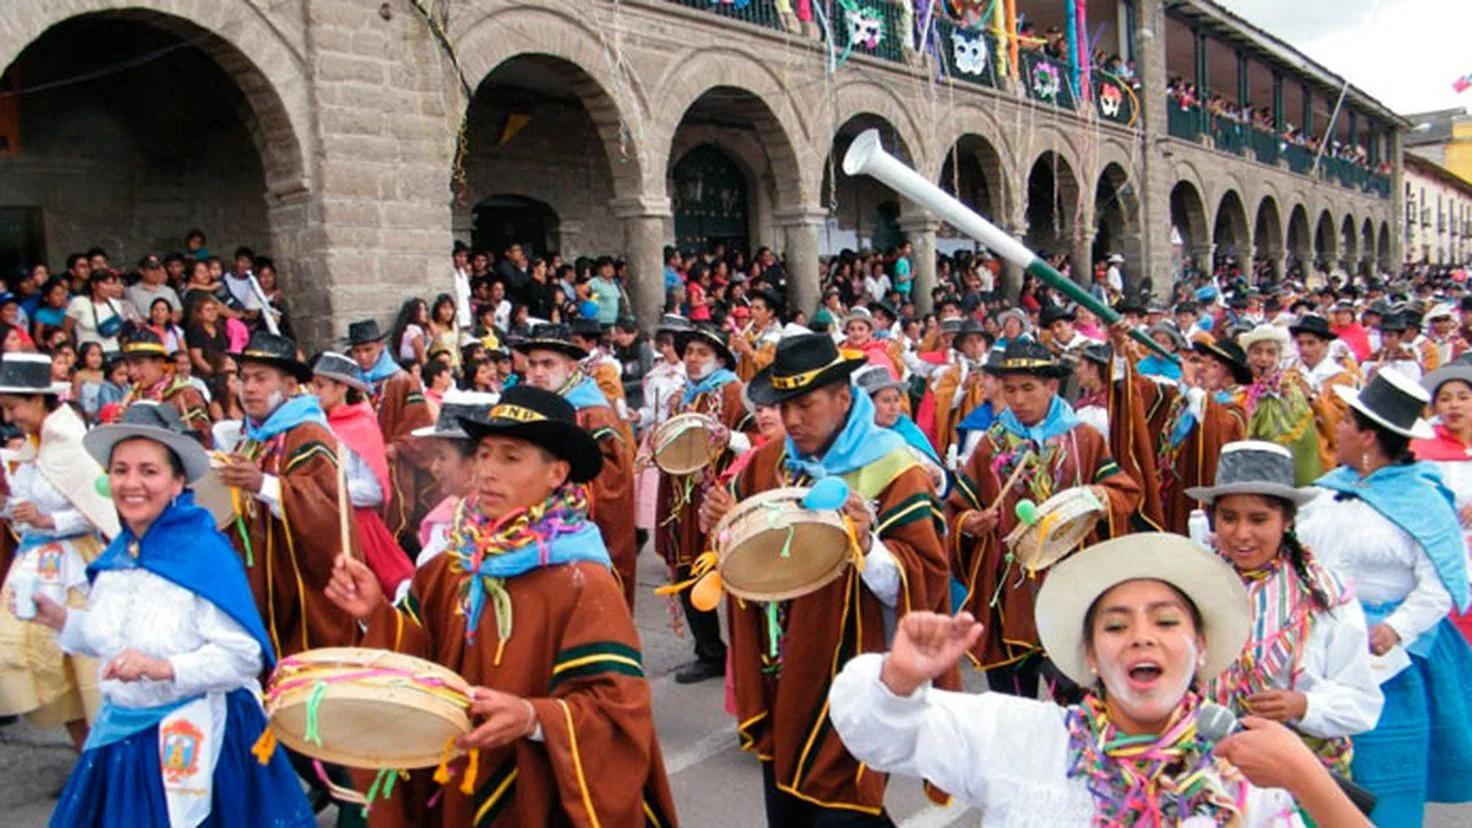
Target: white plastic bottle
x,y
1199,528
23,583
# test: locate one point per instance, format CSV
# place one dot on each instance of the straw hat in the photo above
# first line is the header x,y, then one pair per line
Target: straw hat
x,y
1073,585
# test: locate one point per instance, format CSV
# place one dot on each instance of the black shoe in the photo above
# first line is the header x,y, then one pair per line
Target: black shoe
x,y
698,671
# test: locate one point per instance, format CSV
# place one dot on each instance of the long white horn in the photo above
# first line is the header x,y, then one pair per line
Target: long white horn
x,y
866,156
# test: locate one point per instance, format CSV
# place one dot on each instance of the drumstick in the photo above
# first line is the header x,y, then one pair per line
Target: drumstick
x,y
1016,473
342,501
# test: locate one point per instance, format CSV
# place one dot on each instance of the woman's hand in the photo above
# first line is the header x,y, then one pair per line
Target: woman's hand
x,y
26,512
353,587
48,612
132,665
926,644
1278,705
1383,638
506,719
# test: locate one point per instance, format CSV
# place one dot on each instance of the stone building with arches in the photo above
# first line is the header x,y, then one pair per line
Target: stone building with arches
x,y
355,141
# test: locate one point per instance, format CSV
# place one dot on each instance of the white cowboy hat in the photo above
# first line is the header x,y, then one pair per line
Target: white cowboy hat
x,y
1264,333
1211,583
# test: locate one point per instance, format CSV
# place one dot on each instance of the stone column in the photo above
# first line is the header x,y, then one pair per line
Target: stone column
x,y
1082,254
1012,273
1201,254
801,228
919,227
644,221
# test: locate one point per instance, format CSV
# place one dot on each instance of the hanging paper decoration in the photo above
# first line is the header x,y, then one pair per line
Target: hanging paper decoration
x,y
1110,99
736,5
1046,82
865,28
969,53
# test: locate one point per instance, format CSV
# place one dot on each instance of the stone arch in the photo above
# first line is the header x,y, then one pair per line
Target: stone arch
x,y
1267,234
1230,234
1188,220
264,62
865,211
1382,248
567,47
970,118
1348,243
902,133
1326,238
1367,247
1300,239
1054,212
753,93
974,171
1117,220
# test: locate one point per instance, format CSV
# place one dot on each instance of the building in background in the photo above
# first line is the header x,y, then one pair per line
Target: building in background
x,y
1438,220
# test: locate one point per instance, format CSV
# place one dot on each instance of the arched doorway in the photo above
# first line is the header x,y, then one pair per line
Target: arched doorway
x,y
863,213
1116,222
972,172
709,192
1348,245
1052,208
1326,251
1189,242
504,220
1367,248
1382,248
1267,233
135,127
531,134
1300,242
1229,233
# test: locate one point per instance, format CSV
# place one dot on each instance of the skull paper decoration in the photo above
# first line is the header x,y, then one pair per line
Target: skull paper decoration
x,y
970,53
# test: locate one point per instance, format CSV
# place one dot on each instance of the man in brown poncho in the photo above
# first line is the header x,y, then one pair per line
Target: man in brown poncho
x,y
552,364
147,359
564,730
398,398
784,653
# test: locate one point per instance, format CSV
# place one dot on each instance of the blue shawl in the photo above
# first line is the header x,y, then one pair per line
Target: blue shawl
x,y
1414,498
583,543
289,415
384,368
1059,420
859,443
714,380
906,428
585,393
183,546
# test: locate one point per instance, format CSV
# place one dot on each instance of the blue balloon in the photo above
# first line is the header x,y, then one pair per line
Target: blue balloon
x,y
828,493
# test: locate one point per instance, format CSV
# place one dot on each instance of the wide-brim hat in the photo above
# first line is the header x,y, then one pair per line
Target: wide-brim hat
x,y
871,379
1458,369
803,363
363,332
1054,313
1027,357
968,327
276,351
860,314
1253,467
335,366
1313,324
455,406
672,323
1076,583
710,336
1393,322
884,307
150,421
544,419
1393,401
1173,333
550,337
142,342
28,375
1264,332
1229,353
1116,258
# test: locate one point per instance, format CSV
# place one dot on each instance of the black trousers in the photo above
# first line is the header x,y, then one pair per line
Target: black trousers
x,y
705,626
787,811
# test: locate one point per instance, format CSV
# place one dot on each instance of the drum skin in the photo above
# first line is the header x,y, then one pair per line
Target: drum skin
x,y
684,444
1064,521
751,538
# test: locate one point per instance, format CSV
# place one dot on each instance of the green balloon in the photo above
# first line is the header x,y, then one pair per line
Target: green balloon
x,y
103,487
1027,512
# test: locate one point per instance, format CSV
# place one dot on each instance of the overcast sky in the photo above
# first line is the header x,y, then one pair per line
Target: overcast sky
x,y
1405,53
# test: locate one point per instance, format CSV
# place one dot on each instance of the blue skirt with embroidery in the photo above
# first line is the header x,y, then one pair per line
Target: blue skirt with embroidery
x,y
120,784
1421,750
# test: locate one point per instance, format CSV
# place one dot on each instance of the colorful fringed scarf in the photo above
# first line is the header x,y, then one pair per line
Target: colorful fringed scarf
x,y
1151,780
1283,612
487,552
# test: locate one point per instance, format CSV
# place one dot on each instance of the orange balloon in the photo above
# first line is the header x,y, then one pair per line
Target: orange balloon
x,y
706,594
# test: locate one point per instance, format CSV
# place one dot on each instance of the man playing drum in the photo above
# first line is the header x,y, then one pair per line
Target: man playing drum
x,y
1042,440
146,358
552,364
286,470
564,729
714,391
784,654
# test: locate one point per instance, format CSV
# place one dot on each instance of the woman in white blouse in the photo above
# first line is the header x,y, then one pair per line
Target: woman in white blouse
x,y
172,619
1307,660
1451,449
59,519
1139,619
1387,526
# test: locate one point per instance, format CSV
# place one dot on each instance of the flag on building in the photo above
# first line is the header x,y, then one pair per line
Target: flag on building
x,y
1462,84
